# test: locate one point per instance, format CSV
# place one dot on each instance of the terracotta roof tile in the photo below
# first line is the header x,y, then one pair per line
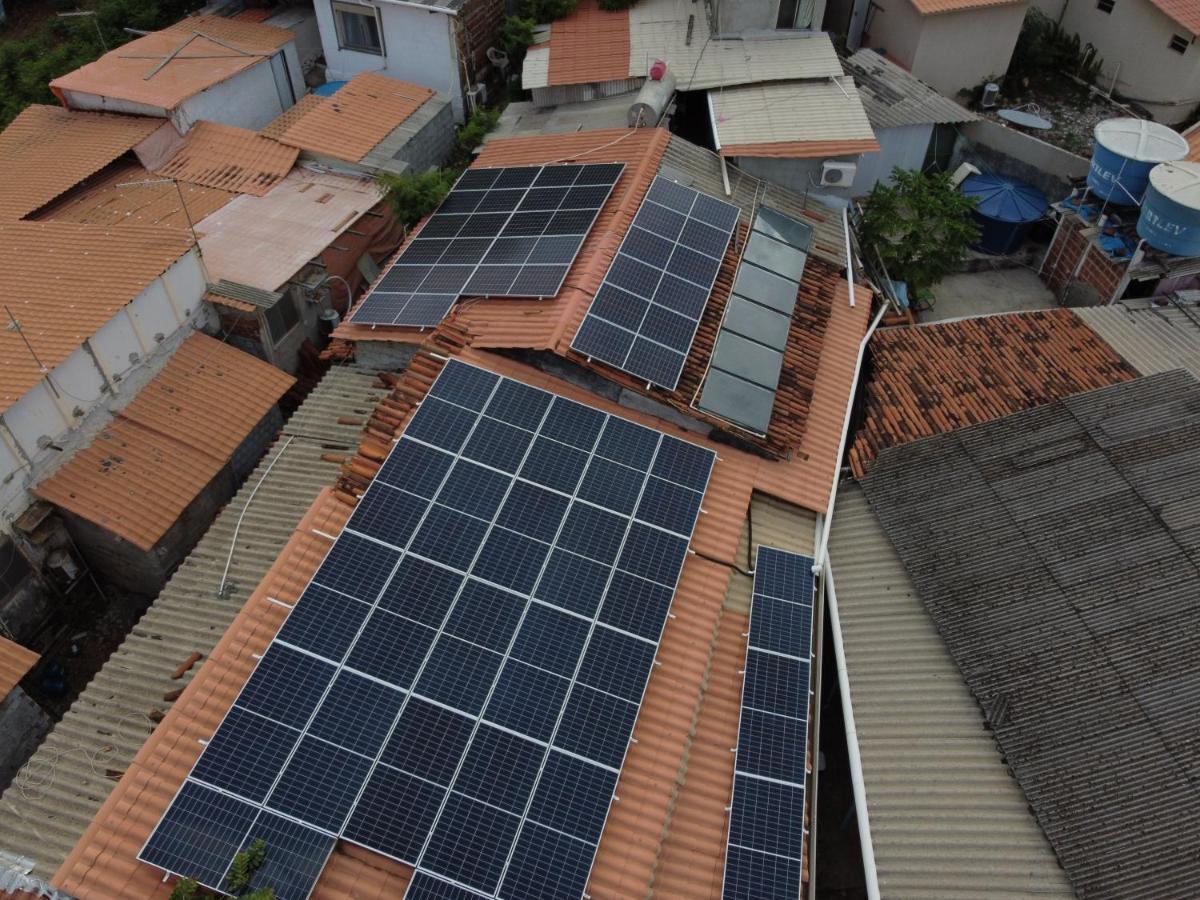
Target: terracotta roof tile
x,y
63,281
928,379
589,45
15,663
291,115
349,124
46,150
115,198
141,472
935,7
216,49
230,158
1184,12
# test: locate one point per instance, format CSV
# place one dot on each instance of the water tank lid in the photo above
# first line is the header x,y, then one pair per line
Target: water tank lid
x,y
1178,181
1141,140
1005,199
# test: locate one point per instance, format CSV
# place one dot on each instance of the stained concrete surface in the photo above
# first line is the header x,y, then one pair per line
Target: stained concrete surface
x,y
986,293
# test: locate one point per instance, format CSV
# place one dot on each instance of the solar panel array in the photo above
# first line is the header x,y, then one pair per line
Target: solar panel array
x,y
503,232
644,316
743,372
457,686
766,820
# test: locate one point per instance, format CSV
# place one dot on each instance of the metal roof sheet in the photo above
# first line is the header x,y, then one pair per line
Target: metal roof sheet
x,y
1152,338
62,281
141,472
947,818
1056,552
15,663
60,789
166,67
46,150
894,97
229,158
350,123
263,241
785,117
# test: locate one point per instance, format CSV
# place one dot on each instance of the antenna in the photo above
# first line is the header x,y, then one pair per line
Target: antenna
x,y
16,326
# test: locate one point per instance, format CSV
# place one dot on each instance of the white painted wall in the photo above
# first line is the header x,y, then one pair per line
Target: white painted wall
x,y
131,348
737,16
951,51
801,175
418,46
1135,37
904,147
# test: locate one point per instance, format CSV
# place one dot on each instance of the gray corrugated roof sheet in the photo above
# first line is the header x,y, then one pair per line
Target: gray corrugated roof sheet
x,y
894,97
947,819
54,797
1152,338
1056,551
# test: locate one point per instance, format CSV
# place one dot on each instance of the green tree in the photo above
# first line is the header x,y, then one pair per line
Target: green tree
x,y
414,196
920,225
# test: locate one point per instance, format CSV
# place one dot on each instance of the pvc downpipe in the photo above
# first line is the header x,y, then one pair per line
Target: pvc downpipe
x,y
857,783
849,260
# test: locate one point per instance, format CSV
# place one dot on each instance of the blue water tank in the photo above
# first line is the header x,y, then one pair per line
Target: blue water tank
x,y
1005,209
1170,219
1124,153
329,88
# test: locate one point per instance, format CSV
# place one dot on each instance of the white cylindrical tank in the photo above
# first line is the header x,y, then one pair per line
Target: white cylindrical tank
x,y
652,101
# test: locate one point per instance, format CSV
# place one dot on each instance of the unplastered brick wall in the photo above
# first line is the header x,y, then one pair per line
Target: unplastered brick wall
x,y
481,21
1098,272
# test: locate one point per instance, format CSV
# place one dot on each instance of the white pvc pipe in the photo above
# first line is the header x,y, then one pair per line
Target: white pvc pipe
x,y
849,257
823,548
858,784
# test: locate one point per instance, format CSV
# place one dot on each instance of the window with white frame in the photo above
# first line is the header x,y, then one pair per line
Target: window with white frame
x,y
358,27
1179,43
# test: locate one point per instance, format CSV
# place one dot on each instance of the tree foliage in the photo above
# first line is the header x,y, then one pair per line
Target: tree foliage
x,y
414,196
1044,52
244,865
920,225
547,10
614,5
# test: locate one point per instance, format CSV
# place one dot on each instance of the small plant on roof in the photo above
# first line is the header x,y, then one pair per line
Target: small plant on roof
x,y
920,225
244,865
414,196
614,5
547,10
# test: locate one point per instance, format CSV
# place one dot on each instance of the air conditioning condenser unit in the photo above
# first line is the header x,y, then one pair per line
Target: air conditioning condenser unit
x,y
835,173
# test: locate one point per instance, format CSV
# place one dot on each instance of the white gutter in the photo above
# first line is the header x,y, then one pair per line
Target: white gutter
x,y
858,784
849,258
445,10
823,548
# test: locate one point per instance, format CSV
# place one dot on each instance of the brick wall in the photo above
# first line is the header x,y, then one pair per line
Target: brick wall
x,y
481,20
1098,271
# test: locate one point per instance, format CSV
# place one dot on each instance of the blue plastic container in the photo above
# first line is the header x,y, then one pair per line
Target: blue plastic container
x,y
1124,153
329,88
1005,209
1170,218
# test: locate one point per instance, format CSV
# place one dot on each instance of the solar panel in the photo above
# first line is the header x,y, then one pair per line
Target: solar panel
x,y
644,316
764,857
744,369
511,232
457,687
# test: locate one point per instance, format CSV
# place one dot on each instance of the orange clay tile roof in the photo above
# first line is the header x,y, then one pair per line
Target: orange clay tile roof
x,y
230,159
15,663
62,281
142,471
1193,139
114,197
290,116
802,149
1184,12
929,379
46,150
104,864
589,45
349,124
935,7
230,302
122,73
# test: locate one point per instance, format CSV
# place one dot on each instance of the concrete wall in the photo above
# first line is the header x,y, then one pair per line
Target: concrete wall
x,y
23,724
993,148
951,51
431,145
737,16
904,147
801,175
43,427
418,46
1135,38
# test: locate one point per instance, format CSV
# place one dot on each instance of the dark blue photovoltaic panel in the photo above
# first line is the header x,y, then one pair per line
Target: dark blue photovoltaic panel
x,y
596,726
295,856
573,796
425,887
500,768
617,664
286,685
470,842
458,674
776,684
323,622
653,554
750,875
474,490
770,746
428,741
449,537
357,713
527,700
532,510
388,515
784,576
486,616
443,425
683,463
199,834
357,568
611,485
518,404
636,605
572,583
467,386
780,626
395,813
627,443
416,467
498,445
550,639
554,465
767,816
390,648
421,591
677,241
319,784
246,754
511,560
669,506
547,865
593,533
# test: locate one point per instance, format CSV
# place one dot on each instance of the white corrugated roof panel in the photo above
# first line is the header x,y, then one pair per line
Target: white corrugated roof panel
x,y
1152,339
788,111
